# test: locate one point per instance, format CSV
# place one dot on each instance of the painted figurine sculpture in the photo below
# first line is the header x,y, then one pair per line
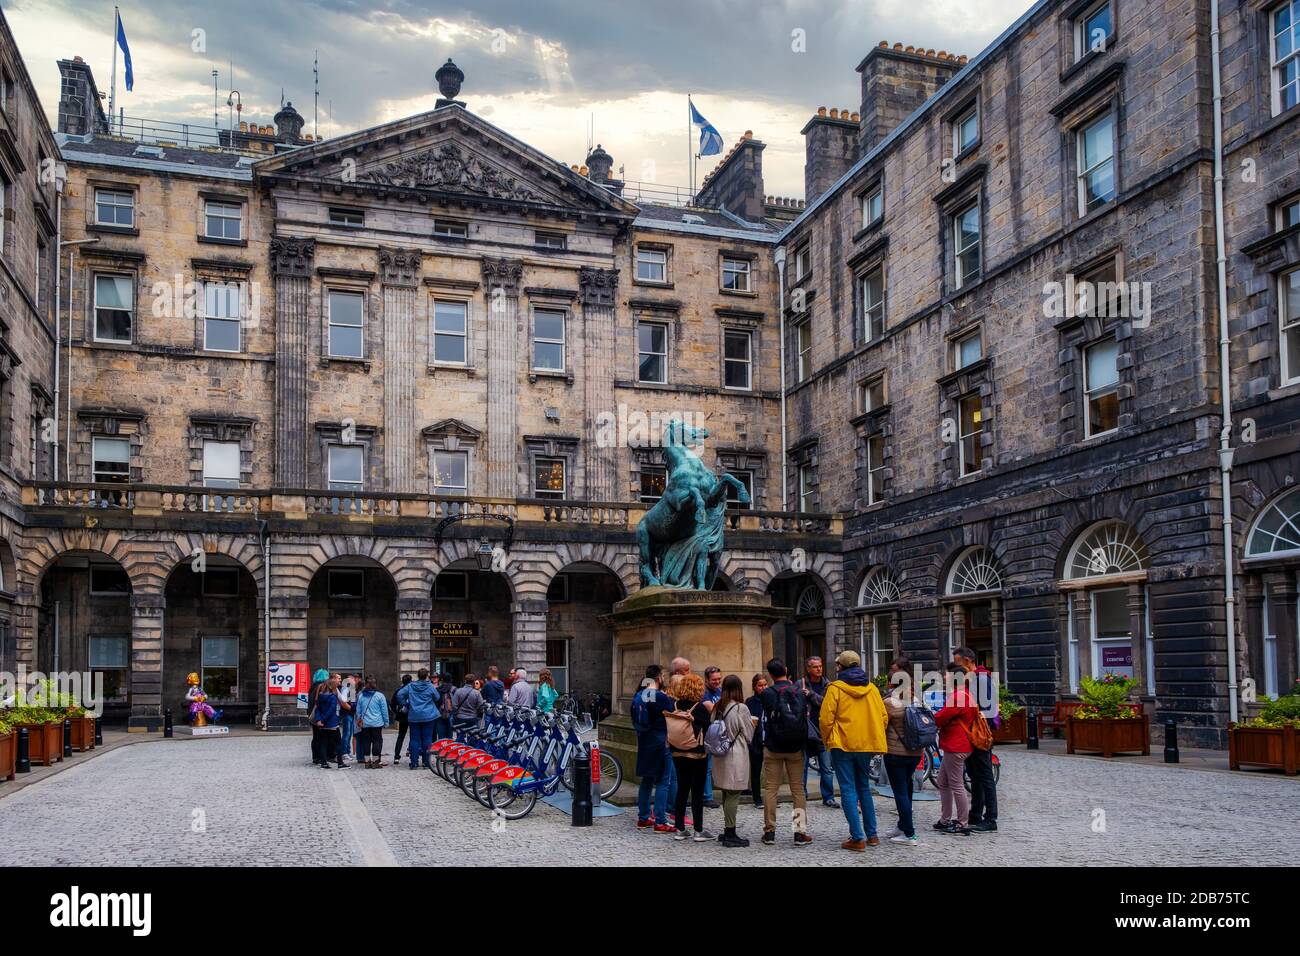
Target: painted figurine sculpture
x,y
680,537
200,710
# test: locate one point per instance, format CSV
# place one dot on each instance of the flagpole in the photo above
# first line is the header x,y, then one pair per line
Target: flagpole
x,y
112,93
689,190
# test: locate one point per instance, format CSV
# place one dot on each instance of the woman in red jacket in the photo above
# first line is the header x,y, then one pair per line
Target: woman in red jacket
x,y
954,720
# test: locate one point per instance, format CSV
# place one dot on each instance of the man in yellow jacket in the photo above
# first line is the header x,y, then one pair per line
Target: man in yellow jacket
x,y
853,722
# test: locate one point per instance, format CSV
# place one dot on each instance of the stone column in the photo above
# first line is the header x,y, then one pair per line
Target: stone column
x,y
26,614
288,643
399,271
1283,625
291,261
501,288
1063,675
530,634
414,647
599,371
146,660
1137,625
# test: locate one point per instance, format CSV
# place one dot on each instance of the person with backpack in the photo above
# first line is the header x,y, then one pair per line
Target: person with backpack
x,y
727,741
983,785
755,705
372,718
400,710
494,691
911,728
955,719
466,704
785,739
319,681
712,694
422,701
442,726
852,723
653,764
686,724
814,685
324,718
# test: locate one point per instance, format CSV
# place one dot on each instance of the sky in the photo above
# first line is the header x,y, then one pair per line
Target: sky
x,y
542,70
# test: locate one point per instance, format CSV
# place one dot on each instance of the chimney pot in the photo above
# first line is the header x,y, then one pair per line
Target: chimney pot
x,y
821,111
884,44
856,117
910,48
835,114
898,46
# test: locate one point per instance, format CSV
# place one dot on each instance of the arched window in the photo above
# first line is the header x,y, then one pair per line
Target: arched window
x,y
1277,529
1112,547
878,587
974,573
810,601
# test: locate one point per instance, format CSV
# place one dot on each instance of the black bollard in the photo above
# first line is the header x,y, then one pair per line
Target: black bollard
x,y
23,764
1171,742
582,789
67,738
99,734
1031,725
167,722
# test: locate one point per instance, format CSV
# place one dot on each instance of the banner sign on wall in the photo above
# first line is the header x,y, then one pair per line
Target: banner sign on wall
x,y
288,678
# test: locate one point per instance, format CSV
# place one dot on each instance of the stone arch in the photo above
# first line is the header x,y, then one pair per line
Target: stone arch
x,y
44,552
466,549
244,551
1274,525
620,562
296,560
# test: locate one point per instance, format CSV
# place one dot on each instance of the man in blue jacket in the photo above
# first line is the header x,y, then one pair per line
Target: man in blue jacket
x,y
421,699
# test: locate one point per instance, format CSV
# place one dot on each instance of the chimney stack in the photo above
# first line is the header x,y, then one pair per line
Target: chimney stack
x,y
736,183
895,82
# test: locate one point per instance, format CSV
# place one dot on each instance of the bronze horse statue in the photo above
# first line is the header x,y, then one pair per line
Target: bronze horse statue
x,y
680,537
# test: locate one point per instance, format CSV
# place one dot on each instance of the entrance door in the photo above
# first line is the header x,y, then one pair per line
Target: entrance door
x,y
451,664
979,632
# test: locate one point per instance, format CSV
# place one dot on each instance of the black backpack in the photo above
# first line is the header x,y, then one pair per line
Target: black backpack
x,y
786,728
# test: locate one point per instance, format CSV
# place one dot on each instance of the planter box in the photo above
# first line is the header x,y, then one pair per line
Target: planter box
x,y
8,755
1274,747
1015,729
44,743
83,733
1108,735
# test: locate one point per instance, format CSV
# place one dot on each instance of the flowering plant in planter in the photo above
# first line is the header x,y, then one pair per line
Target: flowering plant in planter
x,y
1008,706
1283,711
1106,697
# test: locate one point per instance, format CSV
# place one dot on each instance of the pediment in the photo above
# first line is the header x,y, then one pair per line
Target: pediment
x,y
451,426
447,154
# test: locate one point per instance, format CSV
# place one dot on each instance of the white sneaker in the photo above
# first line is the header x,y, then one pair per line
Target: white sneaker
x,y
702,836
679,834
903,840
893,833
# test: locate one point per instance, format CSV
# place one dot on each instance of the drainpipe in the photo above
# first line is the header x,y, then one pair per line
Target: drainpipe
x,y
779,256
1225,371
264,532
60,180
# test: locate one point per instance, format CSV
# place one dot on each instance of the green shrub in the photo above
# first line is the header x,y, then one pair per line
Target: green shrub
x,y
1283,711
1008,706
1107,697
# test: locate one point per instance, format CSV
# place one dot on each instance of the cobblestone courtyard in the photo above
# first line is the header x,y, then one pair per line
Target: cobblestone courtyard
x,y
255,800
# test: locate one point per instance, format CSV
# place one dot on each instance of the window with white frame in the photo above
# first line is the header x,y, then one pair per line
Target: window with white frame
x,y
222,310
1092,30
451,473
219,666
549,478
735,274
882,642
221,464
873,205
803,261
111,461
651,352
550,240
871,296
803,333
548,340
340,216
1285,20
223,219
970,422
1096,163
966,244
1101,388
966,130
450,229
111,656
871,394
1289,325
653,480
114,207
114,308
651,264
1288,213
737,359
347,464
346,324
746,478
450,331
967,350
806,490
875,468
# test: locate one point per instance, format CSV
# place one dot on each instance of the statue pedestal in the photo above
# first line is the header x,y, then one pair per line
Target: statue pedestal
x,y
729,629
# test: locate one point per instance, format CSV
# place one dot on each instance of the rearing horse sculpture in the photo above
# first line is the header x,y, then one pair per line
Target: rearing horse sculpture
x,y
680,537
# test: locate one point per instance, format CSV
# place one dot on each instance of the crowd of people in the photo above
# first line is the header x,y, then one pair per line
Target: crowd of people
x,y
697,732
348,713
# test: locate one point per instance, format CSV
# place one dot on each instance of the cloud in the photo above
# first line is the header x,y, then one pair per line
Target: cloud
x,y
539,68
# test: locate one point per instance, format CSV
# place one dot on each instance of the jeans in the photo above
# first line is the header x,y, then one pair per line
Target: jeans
x,y
899,770
659,786
670,775
983,790
773,764
401,736
346,723
421,741
827,775
442,728
855,791
952,789
690,774
708,778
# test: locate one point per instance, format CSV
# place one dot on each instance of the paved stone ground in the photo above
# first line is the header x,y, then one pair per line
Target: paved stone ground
x,y
256,801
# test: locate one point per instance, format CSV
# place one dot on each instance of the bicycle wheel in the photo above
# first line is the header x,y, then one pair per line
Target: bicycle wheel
x,y
509,802
611,775
997,772
480,790
932,759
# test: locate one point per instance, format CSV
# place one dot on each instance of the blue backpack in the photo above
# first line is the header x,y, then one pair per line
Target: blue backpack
x,y
919,728
641,711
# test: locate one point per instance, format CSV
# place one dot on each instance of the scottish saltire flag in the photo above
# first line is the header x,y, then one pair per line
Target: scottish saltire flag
x,y
126,54
710,138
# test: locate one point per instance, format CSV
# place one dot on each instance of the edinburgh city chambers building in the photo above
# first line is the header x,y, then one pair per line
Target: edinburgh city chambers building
x,y
977,382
